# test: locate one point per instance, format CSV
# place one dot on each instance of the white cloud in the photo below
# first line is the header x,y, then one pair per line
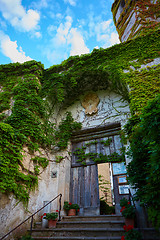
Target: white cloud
x,y
10,49
102,30
71,2
66,41
40,4
62,31
38,34
78,46
114,39
15,13
59,16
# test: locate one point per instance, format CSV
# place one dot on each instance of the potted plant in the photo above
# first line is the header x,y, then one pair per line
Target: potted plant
x,y
52,219
128,211
71,208
131,233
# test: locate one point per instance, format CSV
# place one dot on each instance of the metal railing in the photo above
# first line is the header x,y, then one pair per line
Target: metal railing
x,y
59,216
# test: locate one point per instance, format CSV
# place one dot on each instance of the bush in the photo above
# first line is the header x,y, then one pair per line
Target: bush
x,y
144,169
105,208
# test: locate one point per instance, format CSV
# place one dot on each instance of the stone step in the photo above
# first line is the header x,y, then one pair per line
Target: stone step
x,y
150,234
78,232
93,218
90,224
77,238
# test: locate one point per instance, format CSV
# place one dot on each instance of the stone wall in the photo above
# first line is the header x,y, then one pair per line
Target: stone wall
x,y
55,178
135,17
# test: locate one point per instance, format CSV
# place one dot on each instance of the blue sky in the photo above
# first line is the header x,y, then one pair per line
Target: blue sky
x,y
50,31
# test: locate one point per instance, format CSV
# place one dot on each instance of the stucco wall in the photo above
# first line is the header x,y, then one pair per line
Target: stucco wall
x,y
110,109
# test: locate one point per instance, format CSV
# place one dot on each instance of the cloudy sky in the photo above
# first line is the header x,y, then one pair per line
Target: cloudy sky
x,y
50,31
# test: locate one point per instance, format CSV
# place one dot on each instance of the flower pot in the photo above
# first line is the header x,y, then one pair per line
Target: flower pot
x,y
72,212
129,221
52,223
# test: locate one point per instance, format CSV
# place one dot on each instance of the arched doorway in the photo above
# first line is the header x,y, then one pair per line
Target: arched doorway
x,y
91,147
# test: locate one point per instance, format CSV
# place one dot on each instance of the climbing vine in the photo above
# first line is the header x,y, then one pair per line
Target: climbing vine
x,y
82,156
28,94
64,131
114,69
146,17
144,169
26,125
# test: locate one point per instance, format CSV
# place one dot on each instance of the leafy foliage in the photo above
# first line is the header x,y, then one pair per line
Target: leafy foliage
x,y
27,237
53,216
68,205
27,125
104,69
127,210
131,233
27,88
144,169
105,209
65,129
98,158
146,17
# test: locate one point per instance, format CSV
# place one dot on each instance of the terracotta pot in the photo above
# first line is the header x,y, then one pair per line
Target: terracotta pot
x,y
52,223
72,212
129,221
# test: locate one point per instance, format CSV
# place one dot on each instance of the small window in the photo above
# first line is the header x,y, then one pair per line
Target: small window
x,y
122,179
123,189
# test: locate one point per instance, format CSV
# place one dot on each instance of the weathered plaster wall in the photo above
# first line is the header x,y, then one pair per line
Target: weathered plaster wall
x,y
13,213
111,108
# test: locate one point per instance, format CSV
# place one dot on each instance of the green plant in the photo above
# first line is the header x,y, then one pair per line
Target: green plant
x,y
105,209
27,237
59,159
144,169
98,158
69,205
53,215
65,129
127,210
131,233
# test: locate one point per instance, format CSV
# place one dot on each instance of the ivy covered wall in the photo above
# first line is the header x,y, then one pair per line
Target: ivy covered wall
x,y
133,18
129,69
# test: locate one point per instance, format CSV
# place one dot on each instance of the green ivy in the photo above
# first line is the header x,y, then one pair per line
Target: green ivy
x,y
25,126
97,158
31,92
107,69
144,169
65,129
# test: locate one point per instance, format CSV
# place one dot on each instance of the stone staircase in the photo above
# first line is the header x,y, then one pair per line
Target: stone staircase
x,y
108,227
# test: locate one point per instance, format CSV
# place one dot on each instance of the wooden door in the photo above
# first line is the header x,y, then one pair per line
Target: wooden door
x,y
84,187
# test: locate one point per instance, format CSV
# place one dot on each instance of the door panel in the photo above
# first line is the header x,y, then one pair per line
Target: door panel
x,y
84,189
